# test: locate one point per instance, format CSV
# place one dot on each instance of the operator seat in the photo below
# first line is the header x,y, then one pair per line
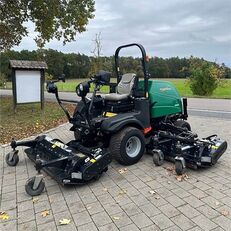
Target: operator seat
x,y
124,88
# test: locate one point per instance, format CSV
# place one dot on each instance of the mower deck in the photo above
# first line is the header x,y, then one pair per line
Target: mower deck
x,y
69,163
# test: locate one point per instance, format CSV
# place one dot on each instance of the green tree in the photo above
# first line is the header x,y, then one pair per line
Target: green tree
x,y
204,77
60,19
2,80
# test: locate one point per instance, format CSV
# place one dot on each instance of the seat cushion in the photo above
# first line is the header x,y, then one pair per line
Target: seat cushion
x,y
115,96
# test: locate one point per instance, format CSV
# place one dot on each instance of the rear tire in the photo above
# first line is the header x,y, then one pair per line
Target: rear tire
x,y
183,124
127,146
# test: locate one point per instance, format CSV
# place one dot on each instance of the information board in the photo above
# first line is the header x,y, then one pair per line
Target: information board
x,y
28,86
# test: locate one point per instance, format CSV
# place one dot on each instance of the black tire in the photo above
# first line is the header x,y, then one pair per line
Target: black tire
x,y
158,158
118,144
183,124
14,160
29,187
179,168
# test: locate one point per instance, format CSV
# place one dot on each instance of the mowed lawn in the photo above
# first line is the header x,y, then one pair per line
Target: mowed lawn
x,y
182,85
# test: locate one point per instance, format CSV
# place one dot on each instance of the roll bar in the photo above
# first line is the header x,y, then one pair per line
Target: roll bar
x,y
144,64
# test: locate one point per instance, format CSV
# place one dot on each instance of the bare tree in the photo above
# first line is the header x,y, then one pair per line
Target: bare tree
x,y
98,46
96,61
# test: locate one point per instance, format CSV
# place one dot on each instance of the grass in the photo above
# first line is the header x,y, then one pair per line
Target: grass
x,y
223,91
28,120
182,85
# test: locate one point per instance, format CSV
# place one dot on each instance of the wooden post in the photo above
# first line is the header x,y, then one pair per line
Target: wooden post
x,y
42,88
14,90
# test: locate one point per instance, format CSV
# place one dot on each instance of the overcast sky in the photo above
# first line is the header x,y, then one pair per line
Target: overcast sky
x,y
165,28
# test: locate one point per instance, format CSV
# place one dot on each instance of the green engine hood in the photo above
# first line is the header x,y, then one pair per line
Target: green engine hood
x,y
164,98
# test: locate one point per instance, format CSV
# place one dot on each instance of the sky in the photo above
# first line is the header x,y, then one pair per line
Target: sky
x,y
168,28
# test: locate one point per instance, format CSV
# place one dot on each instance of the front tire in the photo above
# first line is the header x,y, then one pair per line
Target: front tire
x,y
127,146
29,187
12,162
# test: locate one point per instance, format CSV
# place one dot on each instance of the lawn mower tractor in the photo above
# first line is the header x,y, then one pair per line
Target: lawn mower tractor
x,y
137,115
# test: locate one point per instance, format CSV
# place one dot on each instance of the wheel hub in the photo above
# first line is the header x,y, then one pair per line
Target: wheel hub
x,y
133,146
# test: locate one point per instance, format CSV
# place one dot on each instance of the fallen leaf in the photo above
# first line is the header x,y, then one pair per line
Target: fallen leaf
x,y
105,189
170,168
4,216
182,177
64,221
45,213
35,199
217,203
225,213
179,178
116,218
122,170
152,192
122,192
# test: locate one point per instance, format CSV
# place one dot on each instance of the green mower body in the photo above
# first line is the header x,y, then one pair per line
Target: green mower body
x,y
163,97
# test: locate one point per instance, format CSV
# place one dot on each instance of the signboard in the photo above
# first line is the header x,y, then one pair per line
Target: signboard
x,y
28,86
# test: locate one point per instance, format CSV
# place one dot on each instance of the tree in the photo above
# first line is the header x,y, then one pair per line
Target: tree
x,y
204,77
96,63
60,19
2,80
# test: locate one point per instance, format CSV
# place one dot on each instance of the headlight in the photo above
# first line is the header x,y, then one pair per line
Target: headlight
x,y
82,89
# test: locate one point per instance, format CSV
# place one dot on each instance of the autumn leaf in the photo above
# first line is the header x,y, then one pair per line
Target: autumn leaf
x,y
64,221
152,192
182,177
170,168
45,213
225,213
105,189
35,199
116,218
122,192
4,215
122,170
217,203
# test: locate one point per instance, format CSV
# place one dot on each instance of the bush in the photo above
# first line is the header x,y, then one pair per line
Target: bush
x,y
2,80
204,78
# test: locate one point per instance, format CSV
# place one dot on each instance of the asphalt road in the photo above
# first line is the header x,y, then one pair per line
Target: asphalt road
x,y
219,108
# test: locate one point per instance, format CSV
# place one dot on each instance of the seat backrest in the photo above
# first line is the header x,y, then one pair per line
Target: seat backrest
x,y
126,83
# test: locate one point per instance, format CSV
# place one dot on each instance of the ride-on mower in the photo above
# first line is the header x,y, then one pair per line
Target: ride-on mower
x,y
137,115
